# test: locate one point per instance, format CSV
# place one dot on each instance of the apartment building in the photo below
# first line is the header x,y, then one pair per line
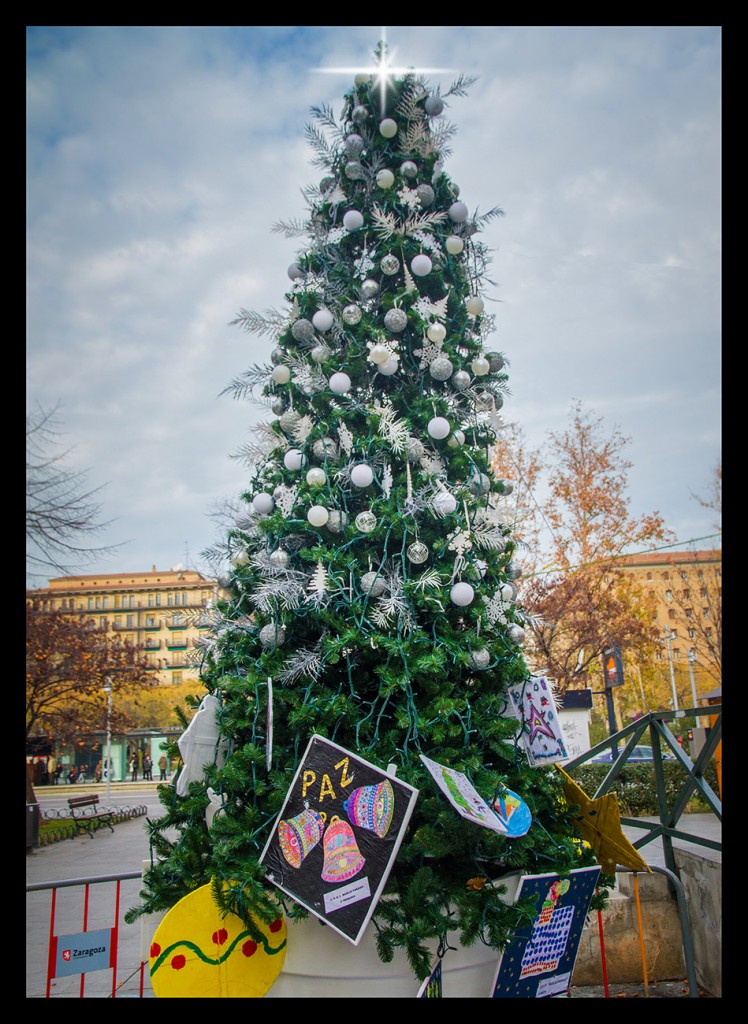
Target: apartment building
x,y
162,613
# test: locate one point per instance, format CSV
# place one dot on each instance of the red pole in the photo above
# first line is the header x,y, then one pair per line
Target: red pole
x,y
52,957
85,928
606,991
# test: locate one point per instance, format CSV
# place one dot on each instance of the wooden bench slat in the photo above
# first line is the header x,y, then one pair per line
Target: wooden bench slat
x,y
89,823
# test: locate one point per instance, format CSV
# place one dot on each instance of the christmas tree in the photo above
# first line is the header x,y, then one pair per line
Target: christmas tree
x,y
371,596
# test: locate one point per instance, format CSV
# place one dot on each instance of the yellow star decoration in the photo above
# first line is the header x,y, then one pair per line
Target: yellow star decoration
x,y
600,823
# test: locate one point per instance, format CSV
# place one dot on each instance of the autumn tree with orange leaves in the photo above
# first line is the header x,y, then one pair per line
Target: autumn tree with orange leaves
x,y
571,516
68,662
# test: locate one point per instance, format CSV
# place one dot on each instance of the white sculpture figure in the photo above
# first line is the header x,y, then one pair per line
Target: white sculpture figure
x,y
214,806
200,744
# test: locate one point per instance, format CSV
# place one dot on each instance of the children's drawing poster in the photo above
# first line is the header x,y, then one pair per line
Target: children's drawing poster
x,y
539,960
432,986
335,840
464,797
541,734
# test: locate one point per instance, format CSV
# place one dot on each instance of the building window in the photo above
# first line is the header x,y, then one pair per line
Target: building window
x,y
703,592
676,654
158,600
131,622
684,575
649,575
671,614
184,599
705,612
666,575
668,595
658,655
90,604
700,574
150,620
170,600
689,613
177,619
105,602
686,594
176,678
708,632
691,634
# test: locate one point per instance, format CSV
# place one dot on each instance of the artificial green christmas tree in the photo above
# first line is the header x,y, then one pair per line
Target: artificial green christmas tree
x,y
371,596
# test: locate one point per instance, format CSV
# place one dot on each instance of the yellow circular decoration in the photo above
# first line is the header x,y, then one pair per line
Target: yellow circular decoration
x,y
196,952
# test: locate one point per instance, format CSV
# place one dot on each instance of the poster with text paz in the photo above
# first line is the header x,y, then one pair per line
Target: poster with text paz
x,y
337,835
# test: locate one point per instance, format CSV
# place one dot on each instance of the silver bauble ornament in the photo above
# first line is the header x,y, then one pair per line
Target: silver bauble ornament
x,y
441,368
485,402
416,450
512,571
366,521
279,559
272,635
320,353
408,169
353,144
395,320
278,405
480,659
461,380
507,487
354,171
295,272
325,448
389,264
417,552
495,361
479,485
337,521
433,106
359,114
326,184
289,420
352,314
372,584
302,330
426,194
370,288
516,634
276,355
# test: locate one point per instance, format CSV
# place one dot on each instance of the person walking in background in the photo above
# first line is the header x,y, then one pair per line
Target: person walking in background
x,y
97,772
72,774
163,764
52,770
134,769
82,774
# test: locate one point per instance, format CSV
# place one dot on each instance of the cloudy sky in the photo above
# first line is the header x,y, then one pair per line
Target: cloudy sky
x,y
160,157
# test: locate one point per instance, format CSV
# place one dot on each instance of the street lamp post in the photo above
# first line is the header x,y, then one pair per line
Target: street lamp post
x,y
672,672
691,663
108,692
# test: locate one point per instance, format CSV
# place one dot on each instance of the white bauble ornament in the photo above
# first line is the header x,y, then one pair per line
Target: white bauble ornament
x,y
457,439
337,521
480,366
325,448
385,178
461,594
507,592
426,194
352,220
458,212
395,319
318,515
438,428
323,320
352,314
379,354
408,169
441,368
272,635
388,128
320,353
444,503
516,634
316,477
480,659
460,380
281,374
362,475
340,383
437,333
372,584
366,521
294,460
302,330
370,288
421,265
454,245
279,559
480,567
295,272
417,552
474,305
263,503
391,366
433,106
389,265
240,558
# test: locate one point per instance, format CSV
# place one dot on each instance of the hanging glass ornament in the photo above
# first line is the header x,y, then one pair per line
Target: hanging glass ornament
x,y
289,420
353,170
438,428
480,366
461,380
458,212
366,521
352,220
276,356
480,567
444,503
385,178
325,448
352,314
240,558
456,439
318,515
272,635
326,184
495,361
516,634
281,374
433,106
436,332
279,405
421,265
474,305
417,552
316,477
340,383
353,143
322,320
426,194
408,169
395,320
369,289
372,584
388,128
389,264
461,594
480,659
454,245
263,503
391,366
337,521
512,571
320,353
279,559
486,402
362,474
359,114
379,354
302,330
294,460
441,368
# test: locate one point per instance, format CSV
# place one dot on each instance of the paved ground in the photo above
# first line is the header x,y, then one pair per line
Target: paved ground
x,y
127,848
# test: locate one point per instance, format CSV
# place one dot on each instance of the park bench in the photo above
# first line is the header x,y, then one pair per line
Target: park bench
x,y
84,812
